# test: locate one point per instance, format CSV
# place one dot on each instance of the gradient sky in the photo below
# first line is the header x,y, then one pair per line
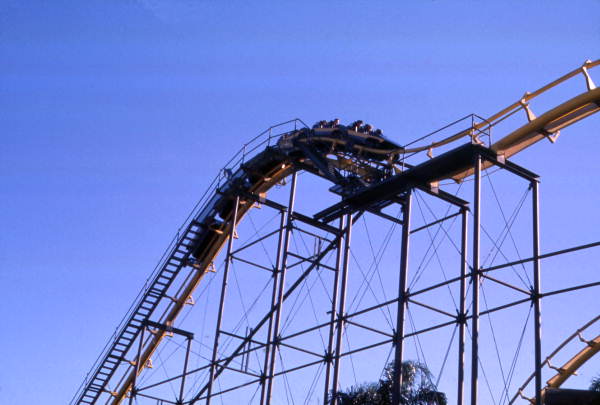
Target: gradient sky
x,y
115,115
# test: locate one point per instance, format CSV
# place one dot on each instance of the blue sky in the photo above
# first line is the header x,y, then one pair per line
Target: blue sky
x,y
116,115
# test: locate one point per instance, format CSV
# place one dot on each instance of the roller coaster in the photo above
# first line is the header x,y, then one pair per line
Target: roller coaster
x,y
365,175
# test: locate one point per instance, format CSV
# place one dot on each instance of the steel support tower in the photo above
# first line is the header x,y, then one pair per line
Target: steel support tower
x,y
266,345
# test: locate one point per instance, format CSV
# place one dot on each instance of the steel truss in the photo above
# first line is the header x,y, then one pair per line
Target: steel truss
x,y
339,243
333,232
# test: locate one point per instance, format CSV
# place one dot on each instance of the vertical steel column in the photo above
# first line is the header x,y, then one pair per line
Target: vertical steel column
x,y
276,270
462,316
246,357
228,260
281,288
342,309
536,293
332,321
137,365
185,366
475,281
402,301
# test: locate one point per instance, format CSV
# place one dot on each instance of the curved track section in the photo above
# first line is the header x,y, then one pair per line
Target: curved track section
x,y
569,368
563,373
352,159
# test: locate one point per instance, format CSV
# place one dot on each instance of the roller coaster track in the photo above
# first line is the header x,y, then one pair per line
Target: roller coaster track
x,y
351,159
571,366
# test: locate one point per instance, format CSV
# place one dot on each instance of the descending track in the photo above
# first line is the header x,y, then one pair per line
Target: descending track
x,y
353,159
569,369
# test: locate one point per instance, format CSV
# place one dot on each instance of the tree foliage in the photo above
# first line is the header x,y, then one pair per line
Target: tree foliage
x,y
417,388
595,385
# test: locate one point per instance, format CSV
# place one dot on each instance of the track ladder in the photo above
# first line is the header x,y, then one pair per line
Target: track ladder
x,y
142,311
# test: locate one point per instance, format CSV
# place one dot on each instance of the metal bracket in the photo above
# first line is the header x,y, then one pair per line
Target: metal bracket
x,y
551,136
531,400
168,329
434,186
530,115
475,138
590,343
560,371
588,80
430,153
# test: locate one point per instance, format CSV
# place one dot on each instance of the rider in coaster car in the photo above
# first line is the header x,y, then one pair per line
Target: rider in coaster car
x,y
356,125
333,123
367,129
320,124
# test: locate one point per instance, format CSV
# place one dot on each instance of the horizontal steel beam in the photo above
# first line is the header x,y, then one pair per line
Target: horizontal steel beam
x,y
168,328
542,256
